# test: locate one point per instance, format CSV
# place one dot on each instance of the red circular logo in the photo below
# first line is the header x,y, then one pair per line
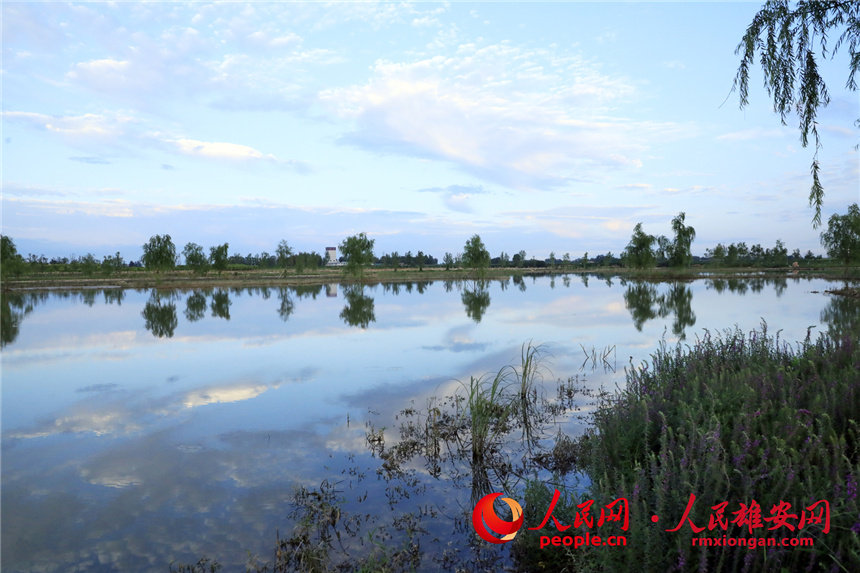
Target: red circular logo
x,y
485,520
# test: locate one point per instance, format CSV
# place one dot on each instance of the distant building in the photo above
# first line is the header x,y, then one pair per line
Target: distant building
x,y
331,255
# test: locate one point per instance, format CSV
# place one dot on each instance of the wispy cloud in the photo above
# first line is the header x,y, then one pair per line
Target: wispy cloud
x,y
751,134
456,197
524,118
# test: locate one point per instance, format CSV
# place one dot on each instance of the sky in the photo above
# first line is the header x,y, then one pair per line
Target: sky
x,y
543,127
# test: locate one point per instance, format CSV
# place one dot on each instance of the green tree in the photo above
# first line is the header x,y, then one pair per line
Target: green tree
x,y
112,264
11,263
283,254
552,261
476,256
419,260
640,249
565,260
448,261
718,255
504,260
218,257
681,255
89,264
784,38
842,237
159,253
779,254
358,251
195,258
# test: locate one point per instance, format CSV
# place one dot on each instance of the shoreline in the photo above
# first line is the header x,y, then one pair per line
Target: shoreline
x,y
140,278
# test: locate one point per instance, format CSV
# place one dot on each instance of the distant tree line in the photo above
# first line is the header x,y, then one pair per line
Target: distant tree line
x,y
841,241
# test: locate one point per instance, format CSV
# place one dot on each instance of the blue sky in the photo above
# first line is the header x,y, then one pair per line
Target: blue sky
x,y
541,127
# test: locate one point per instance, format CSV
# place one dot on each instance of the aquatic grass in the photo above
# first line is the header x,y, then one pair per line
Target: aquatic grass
x,y
732,417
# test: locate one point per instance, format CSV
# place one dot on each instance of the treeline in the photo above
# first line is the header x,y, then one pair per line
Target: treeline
x,y
841,240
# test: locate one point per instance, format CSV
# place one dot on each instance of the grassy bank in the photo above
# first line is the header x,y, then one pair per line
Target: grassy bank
x,y
732,418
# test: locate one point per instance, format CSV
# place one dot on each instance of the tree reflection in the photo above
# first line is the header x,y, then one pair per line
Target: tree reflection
x,y
644,304
13,308
842,317
641,299
286,308
160,315
678,301
195,306
359,309
476,300
220,304
114,295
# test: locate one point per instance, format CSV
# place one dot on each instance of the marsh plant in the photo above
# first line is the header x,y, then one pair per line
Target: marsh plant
x,y
732,418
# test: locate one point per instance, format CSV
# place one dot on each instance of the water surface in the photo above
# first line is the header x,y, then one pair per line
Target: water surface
x,y
144,427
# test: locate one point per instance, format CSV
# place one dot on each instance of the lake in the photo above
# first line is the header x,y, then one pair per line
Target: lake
x,y
142,428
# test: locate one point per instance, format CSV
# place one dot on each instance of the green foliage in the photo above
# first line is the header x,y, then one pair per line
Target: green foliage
x,y
448,261
307,261
476,256
89,264
218,257
681,254
358,251
842,237
784,38
159,253
11,263
640,250
112,264
283,253
195,258
732,418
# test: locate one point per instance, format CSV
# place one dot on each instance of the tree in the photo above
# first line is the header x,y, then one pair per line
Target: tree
x,y
475,255
112,264
159,253
195,258
419,259
11,263
358,252
448,261
504,260
785,40
283,253
681,256
89,264
640,249
842,237
218,257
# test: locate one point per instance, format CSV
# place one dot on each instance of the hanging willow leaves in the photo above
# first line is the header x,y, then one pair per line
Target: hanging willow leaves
x,y
785,39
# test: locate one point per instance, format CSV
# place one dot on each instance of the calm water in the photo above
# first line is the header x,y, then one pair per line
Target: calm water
x,y
146,427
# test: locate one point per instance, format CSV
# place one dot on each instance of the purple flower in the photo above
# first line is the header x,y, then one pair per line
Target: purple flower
x,y
851,487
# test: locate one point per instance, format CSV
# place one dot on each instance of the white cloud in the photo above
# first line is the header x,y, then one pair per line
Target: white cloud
x,y
219,150
524,118
87,125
